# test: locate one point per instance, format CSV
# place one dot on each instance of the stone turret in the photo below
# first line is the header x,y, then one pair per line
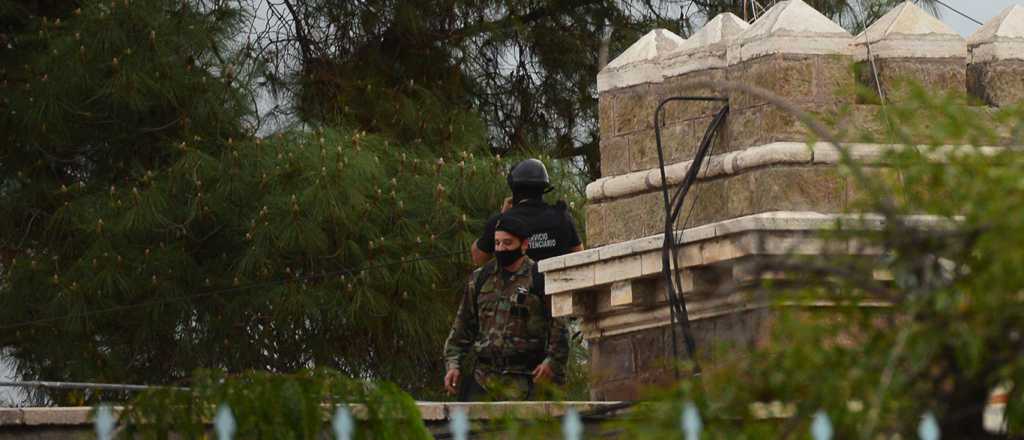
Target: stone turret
x,y
909,43
996,70
764,191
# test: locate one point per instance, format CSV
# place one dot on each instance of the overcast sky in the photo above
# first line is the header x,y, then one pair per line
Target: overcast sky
x,y
981,10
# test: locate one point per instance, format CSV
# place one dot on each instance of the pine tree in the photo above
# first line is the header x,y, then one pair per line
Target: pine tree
x,y
148,231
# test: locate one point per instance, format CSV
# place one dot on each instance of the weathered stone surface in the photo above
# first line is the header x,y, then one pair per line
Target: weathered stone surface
x,y
763,124
597,220
614,356
679,141
56,416
606,116
833,79
571,278
614,155
643,150
677,86
945,75
10,416
997,83
820,78
634,108
796,188
617,270
432,410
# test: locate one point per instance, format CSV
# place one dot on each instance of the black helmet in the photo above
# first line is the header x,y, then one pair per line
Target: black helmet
x,y
529,174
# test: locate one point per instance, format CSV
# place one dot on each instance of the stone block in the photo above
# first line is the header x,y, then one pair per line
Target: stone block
x,y
633,108
886,180
678,111
997,83
617,270
834,79
612,358
643,150
621,217
860,123
677,141
650,263
632,292
584,257
721,249
570,278
708,201
562,304
651,350
743,128
57,416
939,75
614,155
11,416
597,230
786,188
786,75
432,411
606,115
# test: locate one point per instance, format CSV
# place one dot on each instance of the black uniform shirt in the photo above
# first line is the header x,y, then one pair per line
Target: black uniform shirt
x,y
553,229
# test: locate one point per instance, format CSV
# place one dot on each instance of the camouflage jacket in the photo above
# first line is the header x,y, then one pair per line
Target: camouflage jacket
x,y
509,319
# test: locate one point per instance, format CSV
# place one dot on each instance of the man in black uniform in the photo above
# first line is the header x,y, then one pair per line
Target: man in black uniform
x,y
553,228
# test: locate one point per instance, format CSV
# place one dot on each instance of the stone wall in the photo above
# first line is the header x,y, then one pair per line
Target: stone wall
x,y
766,187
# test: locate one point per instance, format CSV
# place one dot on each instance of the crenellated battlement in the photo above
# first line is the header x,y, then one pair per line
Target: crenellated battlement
x,y
764,190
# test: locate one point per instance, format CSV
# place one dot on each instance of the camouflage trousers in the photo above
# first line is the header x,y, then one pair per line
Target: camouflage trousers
x,y
501,385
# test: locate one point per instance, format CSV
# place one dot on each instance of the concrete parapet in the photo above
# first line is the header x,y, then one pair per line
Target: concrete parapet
x,y
790,26
706,48
639,63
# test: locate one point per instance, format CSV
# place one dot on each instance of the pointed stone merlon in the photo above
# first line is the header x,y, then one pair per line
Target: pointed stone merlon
x,y
639,63
790,27
907,31
1001,38
705,49
908,43
996,70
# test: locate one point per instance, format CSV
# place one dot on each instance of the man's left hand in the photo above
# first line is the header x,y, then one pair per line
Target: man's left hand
x,y
543,373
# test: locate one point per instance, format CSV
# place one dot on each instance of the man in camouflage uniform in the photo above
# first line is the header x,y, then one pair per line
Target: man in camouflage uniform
x,y
505,320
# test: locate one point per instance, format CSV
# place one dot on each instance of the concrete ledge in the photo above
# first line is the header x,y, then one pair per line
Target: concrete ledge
x,y
775,153
430,412
769,234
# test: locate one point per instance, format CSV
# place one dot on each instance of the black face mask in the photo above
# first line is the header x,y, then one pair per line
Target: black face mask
x,y
508,257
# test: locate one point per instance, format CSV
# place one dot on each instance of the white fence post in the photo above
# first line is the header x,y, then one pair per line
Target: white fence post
x,y
572,428
821,427
459,424
224,423
929,428
342,423
104,422
690,421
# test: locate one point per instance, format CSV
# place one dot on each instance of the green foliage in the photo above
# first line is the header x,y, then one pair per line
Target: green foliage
x,y
146,231
277,406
